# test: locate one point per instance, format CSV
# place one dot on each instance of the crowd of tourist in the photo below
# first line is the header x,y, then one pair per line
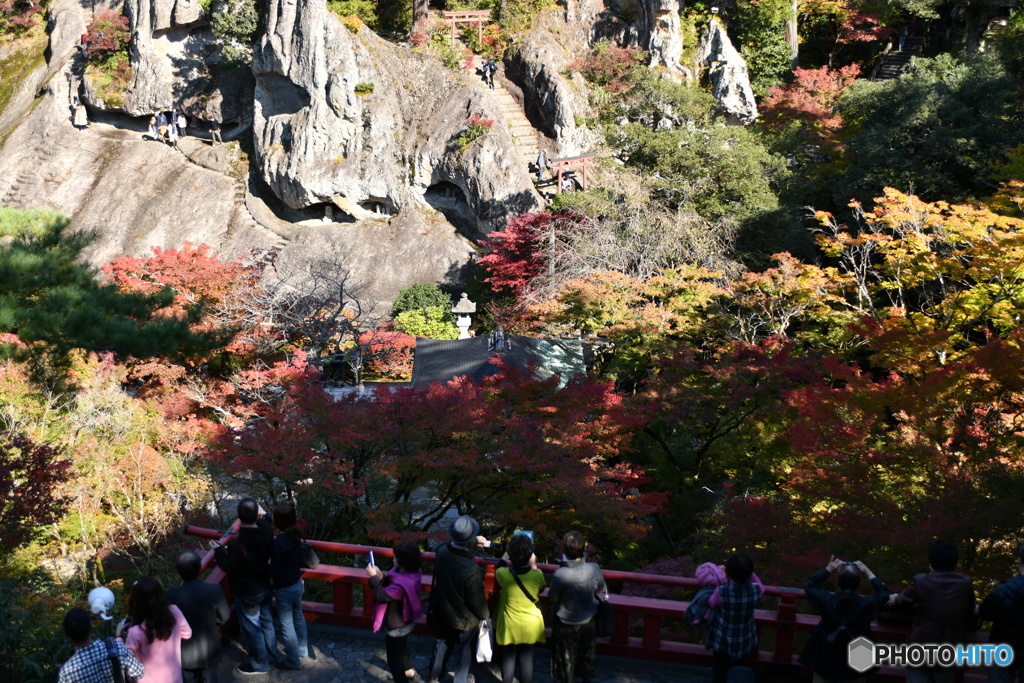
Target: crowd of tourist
x,y
173,637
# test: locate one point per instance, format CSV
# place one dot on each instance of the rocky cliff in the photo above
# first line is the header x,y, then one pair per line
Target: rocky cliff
x,y
351,121
659,32
176,65
727,72
132,193
555,103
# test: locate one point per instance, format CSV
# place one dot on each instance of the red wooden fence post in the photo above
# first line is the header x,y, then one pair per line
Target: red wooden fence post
x,y
784,633
342,597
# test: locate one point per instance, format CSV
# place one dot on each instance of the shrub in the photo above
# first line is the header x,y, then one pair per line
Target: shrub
x,y
364,88
111,78
614,68
234,23
18,16
107,35
394,15
440,46
420,297
494,42
362,11
434,322
478,127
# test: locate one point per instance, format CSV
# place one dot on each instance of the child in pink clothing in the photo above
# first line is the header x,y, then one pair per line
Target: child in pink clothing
x,y
159,627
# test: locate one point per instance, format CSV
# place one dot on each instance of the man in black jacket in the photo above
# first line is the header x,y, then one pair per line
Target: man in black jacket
x,y
457,601
205,609
246,561
1004,607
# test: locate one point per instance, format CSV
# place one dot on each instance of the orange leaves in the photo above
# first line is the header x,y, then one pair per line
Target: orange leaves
x,y
936,278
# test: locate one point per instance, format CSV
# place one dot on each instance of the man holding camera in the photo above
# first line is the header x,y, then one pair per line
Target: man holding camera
x,y
457,601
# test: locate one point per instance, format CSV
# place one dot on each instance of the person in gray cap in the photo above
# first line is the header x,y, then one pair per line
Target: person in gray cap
x,y
457,601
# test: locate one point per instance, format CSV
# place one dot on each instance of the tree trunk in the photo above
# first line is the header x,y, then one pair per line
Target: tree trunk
x,y
419,17
792,34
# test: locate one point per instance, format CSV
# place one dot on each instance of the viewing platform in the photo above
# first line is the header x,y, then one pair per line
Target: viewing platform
x,y
649,633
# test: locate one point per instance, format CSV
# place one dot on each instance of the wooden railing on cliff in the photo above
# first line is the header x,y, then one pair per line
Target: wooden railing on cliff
x,y
639,622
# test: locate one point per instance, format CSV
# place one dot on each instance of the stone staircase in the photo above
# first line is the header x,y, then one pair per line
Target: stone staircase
x,y
245,220
898,61
524,135
19,187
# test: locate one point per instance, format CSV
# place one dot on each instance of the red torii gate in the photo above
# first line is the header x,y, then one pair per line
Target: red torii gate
x,y
468,17
566,163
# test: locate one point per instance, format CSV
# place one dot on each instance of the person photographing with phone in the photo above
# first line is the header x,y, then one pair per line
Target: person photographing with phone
x,y
398,608
519,623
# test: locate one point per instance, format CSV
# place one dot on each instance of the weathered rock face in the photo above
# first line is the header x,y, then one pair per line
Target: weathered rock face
x,y
659,32
555,103
587,22
171,50
318,141
727,72
132,194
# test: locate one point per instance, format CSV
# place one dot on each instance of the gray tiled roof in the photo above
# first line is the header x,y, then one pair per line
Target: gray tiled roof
x,y
440,360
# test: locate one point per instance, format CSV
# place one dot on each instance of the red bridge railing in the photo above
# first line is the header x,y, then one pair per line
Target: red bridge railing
x,y
640,623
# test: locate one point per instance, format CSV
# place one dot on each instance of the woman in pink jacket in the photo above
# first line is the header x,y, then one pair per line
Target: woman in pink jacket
x,y
157,629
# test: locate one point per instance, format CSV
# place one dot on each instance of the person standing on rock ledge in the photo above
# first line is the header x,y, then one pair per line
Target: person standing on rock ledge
x,y
81,117
215,134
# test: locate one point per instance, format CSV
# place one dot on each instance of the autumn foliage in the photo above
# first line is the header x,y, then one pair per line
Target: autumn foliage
x,y
514,259
106,34
809,104
30,478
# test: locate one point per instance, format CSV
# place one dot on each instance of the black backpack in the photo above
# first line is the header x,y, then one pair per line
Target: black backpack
x,y
837,641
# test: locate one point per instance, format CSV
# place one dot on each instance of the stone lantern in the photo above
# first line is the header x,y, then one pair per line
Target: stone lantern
x,y
463,310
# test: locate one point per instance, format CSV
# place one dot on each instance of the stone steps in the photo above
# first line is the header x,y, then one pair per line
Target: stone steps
x,y
248,221
898,62
522,132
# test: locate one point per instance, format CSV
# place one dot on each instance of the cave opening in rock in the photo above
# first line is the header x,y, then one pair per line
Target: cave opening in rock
x,y
280,95
326,212
449,199
381,206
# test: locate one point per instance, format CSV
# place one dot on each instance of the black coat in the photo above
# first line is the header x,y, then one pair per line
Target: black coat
x,y
285,561
205,609
858,615
246,560
457,599
1004,607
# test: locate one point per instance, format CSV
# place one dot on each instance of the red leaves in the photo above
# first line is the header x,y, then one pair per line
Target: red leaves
x,y
880,465
478,120
514,259
106,34
30,476
810,103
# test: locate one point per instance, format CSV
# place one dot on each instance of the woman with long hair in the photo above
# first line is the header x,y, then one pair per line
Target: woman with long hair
x,y
397,595
156,631
572,595
286,573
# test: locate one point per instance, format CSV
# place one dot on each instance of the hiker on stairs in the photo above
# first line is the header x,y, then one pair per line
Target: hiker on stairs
x,y
489,69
